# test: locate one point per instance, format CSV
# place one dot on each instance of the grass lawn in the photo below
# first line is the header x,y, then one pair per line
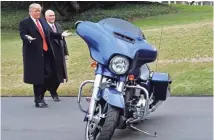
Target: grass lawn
x,y
185,14
183,37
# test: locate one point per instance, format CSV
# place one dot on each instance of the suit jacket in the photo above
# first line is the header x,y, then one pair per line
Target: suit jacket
x,y
60,49
62,41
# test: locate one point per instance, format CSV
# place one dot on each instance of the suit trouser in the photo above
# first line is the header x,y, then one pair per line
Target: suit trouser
x,y
53,88
51,85
50,78
40,89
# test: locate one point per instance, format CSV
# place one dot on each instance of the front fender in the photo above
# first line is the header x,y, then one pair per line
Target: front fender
x,y
113,97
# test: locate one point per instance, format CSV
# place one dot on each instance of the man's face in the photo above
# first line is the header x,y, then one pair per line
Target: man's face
x,y
50,17
35,13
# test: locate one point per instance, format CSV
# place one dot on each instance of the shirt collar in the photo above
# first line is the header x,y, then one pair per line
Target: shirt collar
x,y
34,20
51,24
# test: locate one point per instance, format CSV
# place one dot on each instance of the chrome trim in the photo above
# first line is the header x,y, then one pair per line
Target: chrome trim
x,y
147,104
80,94
120,86
94,98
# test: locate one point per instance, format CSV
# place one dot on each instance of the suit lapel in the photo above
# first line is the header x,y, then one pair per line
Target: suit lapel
x,y
34,25
44,26
53,31
57,29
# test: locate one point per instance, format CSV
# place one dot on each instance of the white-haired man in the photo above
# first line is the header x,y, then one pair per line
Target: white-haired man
x,y
61,53
38,55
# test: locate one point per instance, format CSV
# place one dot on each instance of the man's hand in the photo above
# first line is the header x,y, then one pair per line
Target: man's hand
x,y
30,38
66,33
66,57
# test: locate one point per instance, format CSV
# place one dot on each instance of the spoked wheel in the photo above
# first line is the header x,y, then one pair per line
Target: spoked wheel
x,y
103,128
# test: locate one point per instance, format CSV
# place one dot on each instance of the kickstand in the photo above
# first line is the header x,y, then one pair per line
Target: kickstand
x,y
135,128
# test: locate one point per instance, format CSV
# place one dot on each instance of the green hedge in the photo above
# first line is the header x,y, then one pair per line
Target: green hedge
x,y
124,11
10,19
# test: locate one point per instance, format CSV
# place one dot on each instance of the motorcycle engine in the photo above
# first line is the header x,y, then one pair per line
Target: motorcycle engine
x,y
136,105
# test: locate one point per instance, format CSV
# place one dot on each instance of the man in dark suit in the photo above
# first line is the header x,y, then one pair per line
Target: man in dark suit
x,y
38,53
61,52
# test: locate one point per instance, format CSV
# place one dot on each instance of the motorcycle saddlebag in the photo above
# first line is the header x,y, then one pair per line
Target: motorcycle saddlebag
x,y
160,85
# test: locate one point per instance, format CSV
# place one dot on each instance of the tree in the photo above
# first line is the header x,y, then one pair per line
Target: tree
x,y
192,3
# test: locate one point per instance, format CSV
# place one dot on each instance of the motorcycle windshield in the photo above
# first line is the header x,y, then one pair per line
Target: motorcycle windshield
x,y
111,37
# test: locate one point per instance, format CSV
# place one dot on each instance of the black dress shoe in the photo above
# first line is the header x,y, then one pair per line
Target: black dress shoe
x,y
44,102
41,104
56,99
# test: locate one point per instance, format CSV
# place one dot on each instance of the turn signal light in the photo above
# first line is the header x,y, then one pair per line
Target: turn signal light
x,y
131,77
94,64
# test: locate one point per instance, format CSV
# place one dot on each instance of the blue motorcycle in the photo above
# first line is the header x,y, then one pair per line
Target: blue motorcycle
x,y
125,90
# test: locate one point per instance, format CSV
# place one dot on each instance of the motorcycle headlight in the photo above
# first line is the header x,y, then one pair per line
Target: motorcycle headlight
x,y
119,64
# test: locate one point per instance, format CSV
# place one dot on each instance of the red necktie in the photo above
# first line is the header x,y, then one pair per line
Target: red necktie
x,y
45,46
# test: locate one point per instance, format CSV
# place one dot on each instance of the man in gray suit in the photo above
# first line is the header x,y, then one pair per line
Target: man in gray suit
x,y
60,51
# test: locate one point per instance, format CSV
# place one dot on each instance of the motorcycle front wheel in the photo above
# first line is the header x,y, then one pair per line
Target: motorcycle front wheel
x,y
107,126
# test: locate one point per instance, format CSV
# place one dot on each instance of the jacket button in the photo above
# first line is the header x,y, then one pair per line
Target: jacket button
x,y
42,54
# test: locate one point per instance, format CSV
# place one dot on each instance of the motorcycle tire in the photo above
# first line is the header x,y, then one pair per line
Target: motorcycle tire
x,y
110,123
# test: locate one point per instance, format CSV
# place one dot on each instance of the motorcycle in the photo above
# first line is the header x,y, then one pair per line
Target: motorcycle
x,y
125,90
